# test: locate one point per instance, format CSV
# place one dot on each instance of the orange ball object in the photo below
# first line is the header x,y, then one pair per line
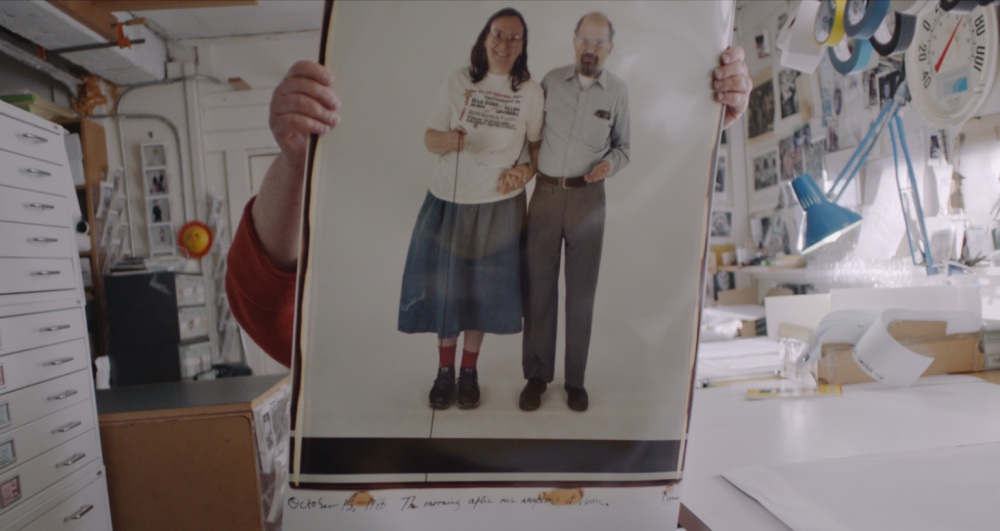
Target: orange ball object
x,y
195,239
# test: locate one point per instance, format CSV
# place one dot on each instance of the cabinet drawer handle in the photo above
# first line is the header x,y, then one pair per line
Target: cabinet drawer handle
x,y
54,329
79,514
42,206
36,138
57,362
43,240
65,394
45,273
40,173
71,460
67,427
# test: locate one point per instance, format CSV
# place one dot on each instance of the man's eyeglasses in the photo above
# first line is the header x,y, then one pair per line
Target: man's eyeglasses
x,y
511,39
598,44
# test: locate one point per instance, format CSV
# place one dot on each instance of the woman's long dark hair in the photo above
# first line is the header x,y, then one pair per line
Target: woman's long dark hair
x,y
481,64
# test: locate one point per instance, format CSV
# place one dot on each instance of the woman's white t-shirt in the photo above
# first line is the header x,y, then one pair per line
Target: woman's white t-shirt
x,y
497,121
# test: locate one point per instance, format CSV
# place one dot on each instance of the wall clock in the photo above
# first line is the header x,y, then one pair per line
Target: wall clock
x,y
952,65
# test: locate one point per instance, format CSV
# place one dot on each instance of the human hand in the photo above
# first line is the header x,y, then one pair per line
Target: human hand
x,y
455,139
732,84
302,103
515,178
598,173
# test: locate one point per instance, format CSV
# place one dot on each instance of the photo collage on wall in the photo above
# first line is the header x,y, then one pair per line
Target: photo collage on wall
x,y
156,185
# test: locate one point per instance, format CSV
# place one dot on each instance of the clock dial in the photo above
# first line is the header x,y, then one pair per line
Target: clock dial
x,y
952,63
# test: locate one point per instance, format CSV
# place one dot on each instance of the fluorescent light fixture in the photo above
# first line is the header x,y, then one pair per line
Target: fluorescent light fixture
x,y
825,221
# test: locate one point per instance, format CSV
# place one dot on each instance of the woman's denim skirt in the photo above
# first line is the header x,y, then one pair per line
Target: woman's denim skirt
x,y
463,269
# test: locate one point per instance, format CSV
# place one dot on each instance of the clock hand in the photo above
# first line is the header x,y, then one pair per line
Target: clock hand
x,y
945,52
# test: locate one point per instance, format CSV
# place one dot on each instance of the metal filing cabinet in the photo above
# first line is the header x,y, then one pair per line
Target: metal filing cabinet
x,y
51,467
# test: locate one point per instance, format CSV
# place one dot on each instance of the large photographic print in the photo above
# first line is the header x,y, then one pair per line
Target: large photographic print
x,y
504,243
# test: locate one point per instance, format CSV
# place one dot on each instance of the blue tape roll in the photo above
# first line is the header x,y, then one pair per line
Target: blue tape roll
x,y
862,17
860,55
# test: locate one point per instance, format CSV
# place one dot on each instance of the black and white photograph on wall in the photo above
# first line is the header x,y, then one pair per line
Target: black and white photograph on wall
x,y
722,224
158,210
887,83
765,170
870,78
786,87
790,158
161,239
832,135
935,155
763,43
760,111
154,155
814,165
104,201
782,18
110,224
430,348
156,182
721,169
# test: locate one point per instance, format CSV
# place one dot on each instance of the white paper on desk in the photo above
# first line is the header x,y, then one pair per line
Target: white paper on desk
x,y
844,326
886,360
924,490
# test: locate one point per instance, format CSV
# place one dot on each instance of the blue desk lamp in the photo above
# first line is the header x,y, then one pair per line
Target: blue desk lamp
x,y
825,221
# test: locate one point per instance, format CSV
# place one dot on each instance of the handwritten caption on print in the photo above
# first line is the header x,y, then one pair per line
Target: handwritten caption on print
x,y
365,502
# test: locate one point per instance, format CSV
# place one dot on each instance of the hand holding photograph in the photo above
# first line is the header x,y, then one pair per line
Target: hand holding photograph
x,y
436,344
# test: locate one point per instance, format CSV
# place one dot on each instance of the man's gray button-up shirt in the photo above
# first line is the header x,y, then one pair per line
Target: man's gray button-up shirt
x,y
583,126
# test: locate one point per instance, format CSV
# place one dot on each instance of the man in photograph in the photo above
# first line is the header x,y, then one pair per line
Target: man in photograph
x,y
585,140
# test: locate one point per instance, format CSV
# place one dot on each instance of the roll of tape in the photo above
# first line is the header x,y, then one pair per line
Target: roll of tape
x,y
862,17
895,34
799,48
959,6
913,7
851,56
828,27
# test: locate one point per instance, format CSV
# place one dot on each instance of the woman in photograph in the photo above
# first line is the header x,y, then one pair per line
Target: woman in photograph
x,y
462,273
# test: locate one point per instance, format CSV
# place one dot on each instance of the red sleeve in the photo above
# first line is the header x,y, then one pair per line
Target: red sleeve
x,y
261,297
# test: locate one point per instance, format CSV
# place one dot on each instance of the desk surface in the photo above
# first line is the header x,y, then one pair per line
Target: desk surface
x,y
728,432
215,396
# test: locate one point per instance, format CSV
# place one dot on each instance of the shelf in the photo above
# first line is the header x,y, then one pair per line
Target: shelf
x,y
80,187
86,254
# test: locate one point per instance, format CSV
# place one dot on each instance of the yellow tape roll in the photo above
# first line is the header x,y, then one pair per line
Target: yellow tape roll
x,y
828,28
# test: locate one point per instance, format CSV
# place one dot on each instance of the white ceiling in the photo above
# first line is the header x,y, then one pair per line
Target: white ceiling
x,y
269,16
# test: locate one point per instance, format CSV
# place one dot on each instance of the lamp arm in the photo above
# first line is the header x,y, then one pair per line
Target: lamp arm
x,y
875,130
928,258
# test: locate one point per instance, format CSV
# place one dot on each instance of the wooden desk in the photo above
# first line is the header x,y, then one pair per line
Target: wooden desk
x,y
729,432
183,455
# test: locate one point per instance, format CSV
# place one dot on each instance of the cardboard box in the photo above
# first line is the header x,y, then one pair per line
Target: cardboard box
x,y
952,354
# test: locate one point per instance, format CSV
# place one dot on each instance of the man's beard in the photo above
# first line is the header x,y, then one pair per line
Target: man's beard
x,y
589,68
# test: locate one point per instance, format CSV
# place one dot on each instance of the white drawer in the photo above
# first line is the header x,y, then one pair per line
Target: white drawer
x,y
42,435
23,206
50,502
37,401
40,329
32,174
19,240
38,365
190,290
27,275
86,510
32,477
193,322
32,141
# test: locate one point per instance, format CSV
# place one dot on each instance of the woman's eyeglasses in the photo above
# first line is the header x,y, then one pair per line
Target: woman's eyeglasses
x,y
499,37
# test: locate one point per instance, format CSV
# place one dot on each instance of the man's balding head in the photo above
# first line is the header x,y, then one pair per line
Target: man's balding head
x,y
593,41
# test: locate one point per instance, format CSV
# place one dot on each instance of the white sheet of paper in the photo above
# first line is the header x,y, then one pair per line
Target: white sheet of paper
x,y
930,298
926,490
883,358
